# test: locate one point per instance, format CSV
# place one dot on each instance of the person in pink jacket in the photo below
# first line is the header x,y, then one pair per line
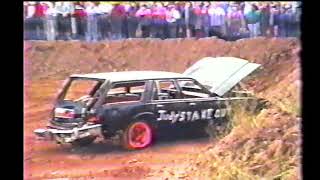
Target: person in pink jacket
x,y
144,16
158,20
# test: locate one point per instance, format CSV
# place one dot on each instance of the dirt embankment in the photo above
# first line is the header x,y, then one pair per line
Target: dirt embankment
x,y
272,136
57,60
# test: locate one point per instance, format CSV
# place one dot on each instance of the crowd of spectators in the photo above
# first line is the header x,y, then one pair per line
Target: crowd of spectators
x,y
95,21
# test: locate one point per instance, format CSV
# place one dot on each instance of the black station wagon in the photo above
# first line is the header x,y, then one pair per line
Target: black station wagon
x,y
138,105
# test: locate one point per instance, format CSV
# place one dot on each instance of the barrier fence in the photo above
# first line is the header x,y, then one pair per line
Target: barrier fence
x,y
98,21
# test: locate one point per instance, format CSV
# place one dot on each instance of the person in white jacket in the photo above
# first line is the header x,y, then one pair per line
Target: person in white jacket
x,y
172,15
29,27
217,19
92,11
51,15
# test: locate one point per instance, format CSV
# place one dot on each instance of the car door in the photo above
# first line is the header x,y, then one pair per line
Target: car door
x,y
200,102
168,106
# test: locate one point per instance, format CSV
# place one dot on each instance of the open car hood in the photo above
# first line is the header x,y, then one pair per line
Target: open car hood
x,y
220,74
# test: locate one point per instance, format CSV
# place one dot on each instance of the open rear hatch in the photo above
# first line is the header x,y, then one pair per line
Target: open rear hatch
x,y
220,74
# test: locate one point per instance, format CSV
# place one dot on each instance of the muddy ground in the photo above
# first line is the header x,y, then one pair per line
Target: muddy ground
x,y
48,63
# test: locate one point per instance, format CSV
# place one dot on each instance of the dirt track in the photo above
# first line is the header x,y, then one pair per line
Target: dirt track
x,y
46,64
101,160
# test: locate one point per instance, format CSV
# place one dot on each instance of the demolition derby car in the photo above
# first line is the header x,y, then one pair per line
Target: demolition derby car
x,y
134,105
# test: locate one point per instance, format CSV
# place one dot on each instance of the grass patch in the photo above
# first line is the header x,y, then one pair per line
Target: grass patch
x,y
261,145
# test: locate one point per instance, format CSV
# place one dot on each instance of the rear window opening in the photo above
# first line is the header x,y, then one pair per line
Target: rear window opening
x,y
81,88
125,92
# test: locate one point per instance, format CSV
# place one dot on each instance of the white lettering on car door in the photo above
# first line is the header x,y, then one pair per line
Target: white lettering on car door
x,y
204,114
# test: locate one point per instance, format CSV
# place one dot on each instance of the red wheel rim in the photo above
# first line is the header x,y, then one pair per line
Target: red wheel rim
x,y
139,135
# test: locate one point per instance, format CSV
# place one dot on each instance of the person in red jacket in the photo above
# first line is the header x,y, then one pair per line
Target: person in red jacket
x,y
39,15
117,18
197,19
80,15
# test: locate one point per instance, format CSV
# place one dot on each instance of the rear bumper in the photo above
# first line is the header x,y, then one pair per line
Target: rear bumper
x,y
70,135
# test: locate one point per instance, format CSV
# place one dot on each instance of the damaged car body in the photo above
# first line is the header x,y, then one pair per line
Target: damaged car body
x,y
138,105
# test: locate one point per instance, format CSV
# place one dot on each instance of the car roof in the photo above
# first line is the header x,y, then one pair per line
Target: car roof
x,y
131,75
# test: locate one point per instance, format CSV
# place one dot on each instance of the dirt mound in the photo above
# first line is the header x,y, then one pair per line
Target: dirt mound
x,y
57,60
266,145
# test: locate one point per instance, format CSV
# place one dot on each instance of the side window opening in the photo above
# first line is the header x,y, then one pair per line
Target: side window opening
x,y
190,89
127,91
165,89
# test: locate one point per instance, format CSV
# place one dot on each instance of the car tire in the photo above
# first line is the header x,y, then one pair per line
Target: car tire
x,y
138,135
83,142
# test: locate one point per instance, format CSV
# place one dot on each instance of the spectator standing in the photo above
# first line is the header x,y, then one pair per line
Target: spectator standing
x,y
282,22
265,19
189,19
124,29
158,20
132,20
51,25
30,33
104,26
154,21
72,20
274,20
205,19
63,20
235,21
217,20
80,16
25,8
297,11
197,20
291,21
253,18
116,19
172,16
247,7
92,11
224,6
181,21
40,10
144,16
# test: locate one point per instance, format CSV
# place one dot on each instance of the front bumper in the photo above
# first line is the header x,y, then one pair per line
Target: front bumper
x,y
69,135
